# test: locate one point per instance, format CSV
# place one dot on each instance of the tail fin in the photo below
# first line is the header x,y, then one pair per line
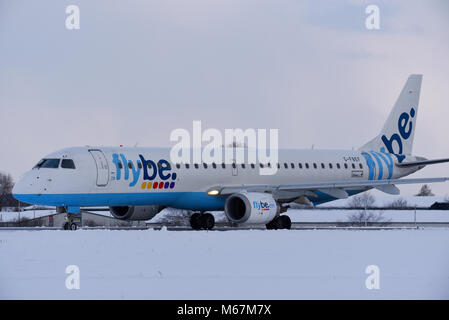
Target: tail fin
x,y
399,129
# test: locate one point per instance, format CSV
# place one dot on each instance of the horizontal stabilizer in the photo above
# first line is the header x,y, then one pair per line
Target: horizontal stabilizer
x,y
389,188
421,163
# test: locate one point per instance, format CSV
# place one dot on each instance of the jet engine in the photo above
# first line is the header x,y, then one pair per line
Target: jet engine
x,y
135,212
251,207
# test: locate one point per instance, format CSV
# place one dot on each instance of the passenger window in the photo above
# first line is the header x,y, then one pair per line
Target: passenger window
x,y
214,165
338,166
223,165
322,165
315,166
361,166
178,166
139,164
252,166
233,165
130,165
330,165
285,165
187,166
279,166
261,165
292,165
353,166
307,165
243,166
346,166
269,165
67,164
196,165
300,165
205,165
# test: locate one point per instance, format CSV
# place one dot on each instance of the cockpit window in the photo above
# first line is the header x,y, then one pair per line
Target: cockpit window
x,y
48,163
67,164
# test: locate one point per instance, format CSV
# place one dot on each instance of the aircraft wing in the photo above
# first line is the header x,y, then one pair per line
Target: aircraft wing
x,y
335,189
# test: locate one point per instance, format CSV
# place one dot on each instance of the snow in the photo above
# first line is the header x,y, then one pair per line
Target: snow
x,y
384,200
250,264
341,215
10,216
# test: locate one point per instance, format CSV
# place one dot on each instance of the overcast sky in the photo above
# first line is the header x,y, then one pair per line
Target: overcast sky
x,y
136,70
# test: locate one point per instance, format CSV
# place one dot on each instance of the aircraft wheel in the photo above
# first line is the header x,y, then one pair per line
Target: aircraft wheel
x,y
65,226
282,222
207,221
285,222
195,221
270,225
73,226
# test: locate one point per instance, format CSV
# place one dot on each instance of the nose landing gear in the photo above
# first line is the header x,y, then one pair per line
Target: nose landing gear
x,y
72,221
202,220
70,226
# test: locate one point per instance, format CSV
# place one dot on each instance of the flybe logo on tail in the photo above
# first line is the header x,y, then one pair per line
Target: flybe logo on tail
x,y
150,171
405,129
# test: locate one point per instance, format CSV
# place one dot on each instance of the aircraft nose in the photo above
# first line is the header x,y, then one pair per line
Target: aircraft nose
x,y
24,187
18,189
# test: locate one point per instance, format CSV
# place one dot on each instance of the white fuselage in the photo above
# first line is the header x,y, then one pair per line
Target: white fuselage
x,y
118,176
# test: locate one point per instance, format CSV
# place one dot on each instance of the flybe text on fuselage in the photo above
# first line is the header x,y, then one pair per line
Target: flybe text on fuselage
x,y
160,170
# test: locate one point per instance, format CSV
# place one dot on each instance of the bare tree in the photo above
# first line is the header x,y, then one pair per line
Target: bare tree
x,y
6,185
425,191
399,203
364,216
365,200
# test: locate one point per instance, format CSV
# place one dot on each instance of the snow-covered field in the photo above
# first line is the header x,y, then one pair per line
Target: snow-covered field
x,y
228,265
313,215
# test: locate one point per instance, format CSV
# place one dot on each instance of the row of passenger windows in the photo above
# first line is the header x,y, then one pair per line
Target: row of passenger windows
x,y
285,166
253,166
54,164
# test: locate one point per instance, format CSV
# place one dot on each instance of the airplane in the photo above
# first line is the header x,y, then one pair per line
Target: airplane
x,y
137,183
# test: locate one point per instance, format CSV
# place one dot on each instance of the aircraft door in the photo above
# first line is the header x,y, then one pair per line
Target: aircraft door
x,y
102,167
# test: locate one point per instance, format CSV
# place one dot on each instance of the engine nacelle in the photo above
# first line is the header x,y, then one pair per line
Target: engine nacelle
x,y
135,212
251,207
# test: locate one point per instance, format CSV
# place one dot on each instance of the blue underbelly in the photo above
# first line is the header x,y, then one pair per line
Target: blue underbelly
x,y
182,200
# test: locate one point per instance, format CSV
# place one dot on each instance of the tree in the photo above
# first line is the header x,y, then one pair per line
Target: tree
x,y
425,191
6,185
365,200
361,217
398,204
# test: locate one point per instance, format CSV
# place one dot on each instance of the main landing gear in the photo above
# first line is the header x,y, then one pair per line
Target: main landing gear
x,y
202,220
281,222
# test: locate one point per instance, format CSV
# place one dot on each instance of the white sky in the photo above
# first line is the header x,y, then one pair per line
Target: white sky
x,y
137,70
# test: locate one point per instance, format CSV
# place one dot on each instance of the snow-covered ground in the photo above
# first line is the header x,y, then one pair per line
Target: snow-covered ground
x,y
229,265
384,200
313,215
